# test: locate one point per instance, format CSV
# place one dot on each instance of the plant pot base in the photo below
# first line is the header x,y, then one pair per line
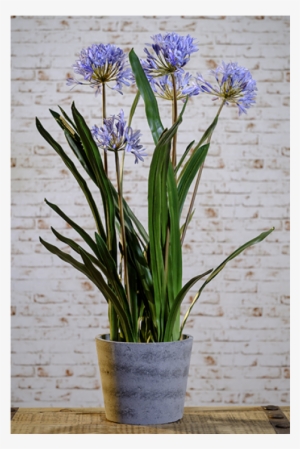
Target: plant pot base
x,y
144,383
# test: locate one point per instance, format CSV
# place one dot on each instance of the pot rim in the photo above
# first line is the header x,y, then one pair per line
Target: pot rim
x,y
102,337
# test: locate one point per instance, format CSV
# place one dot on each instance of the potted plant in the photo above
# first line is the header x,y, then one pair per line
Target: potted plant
x,y
144,360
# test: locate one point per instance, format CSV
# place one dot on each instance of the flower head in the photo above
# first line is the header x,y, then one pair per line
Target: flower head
x,y
171,53
100,64
235,85
114,135
163,86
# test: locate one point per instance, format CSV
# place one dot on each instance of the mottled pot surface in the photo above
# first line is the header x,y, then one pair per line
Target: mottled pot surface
x,y
144,383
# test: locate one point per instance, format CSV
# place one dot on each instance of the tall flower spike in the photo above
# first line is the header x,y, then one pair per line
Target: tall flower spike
x,y
171,53
103,63
235,85
163,86
114,135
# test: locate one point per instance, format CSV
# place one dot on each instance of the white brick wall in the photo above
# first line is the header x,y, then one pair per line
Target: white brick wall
x,y
241,323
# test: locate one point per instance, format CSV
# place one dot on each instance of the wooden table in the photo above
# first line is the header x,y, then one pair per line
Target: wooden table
x,y
196,420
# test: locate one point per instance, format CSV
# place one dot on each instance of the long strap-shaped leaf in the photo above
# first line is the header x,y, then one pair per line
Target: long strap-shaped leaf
x,y
82,183
108,293
177,303
112,274
143,276
216,271
95,276
151,107
76,146
66,258
191,170
184,156
103,182
86,237
174,275
73,140
157,222
78,248
208,133
158,215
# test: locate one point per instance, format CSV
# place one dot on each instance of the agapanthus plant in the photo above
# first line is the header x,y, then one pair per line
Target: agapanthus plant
x,y
185,86
139,271
235,85
115,136
169,54
102,64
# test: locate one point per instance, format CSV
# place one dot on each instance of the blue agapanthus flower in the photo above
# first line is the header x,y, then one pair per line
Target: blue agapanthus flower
x,y
114,135
171,53
235,85
184,83
103,63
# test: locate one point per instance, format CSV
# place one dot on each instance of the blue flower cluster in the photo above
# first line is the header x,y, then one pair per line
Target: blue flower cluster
x,y
114,135
100,64
163,67
185,86
235,85
171,53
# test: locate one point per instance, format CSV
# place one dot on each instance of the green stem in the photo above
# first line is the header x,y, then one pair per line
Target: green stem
x,y
122,223
174,162
123,155
104,117
197,185
112,315
174,118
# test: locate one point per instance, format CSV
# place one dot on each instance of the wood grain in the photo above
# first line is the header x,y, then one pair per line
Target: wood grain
x,y
196,420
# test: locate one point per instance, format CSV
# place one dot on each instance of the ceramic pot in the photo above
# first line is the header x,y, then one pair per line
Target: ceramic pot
x,y
144,383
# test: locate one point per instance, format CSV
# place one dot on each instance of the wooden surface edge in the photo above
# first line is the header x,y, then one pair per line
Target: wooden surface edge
x,y
217,420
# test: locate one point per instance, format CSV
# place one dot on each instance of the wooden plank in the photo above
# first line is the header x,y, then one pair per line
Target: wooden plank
x,y
286,411
277,418
196,420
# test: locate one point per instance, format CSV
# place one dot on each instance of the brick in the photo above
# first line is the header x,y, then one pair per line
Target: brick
x,y
22,371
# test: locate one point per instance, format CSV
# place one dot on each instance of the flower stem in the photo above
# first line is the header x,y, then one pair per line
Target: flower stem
x,y
122,223
174,118
103,118
197,185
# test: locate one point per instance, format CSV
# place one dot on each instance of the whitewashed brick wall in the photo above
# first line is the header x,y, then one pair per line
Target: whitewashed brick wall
x,y
241,323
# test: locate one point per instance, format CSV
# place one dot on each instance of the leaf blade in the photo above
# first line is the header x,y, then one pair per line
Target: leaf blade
x,y
220,267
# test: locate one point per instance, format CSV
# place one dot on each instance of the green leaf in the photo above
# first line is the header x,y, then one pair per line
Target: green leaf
x,y
139,262
77,248
108,293
208,133
133,107
175,252
217,270
70,165
103,182
75,226
177,303
73,140
158,215
190,171
189,220
184,156
151,107
130,216
78,150
67,118
112,273
157,218
66,258
95,276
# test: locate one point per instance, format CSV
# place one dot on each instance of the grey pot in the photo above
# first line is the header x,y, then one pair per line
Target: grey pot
x,y
144,383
